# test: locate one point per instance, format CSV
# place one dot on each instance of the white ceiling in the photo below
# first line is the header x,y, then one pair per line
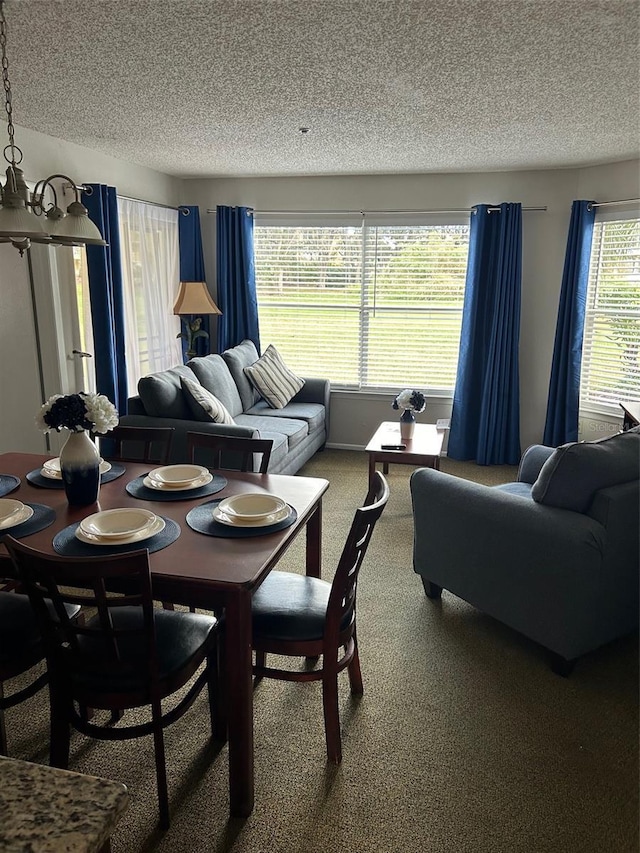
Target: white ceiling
x,y
221,87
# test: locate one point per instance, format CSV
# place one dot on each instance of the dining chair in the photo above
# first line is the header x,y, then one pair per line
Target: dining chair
x,y
21,649
138,444
128,655
219,447
297,615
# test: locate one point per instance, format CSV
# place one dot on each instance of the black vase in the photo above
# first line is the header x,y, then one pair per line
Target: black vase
x,y
80,469
407,424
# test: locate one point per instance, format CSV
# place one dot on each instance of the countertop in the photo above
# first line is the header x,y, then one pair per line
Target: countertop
x,y
44,809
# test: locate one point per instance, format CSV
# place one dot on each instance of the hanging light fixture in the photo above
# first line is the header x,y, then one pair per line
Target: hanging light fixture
x,y
24,216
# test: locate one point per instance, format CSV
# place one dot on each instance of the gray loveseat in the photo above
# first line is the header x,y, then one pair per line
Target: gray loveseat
x,y
553,555
297,430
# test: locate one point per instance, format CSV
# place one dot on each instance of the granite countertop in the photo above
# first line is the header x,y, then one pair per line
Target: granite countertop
x,y
43,809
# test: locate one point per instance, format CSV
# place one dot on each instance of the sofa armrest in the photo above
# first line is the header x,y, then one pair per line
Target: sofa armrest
x,y
532,461
135,406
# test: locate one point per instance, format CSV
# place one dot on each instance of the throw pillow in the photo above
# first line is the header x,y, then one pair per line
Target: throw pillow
x,y
574,472
204,405
272,379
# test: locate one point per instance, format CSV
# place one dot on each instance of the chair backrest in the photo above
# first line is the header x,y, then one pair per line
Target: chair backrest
x,y
138,444
97,647
230,452
342,599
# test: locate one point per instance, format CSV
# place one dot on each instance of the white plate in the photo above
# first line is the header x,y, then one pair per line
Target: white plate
x,y
233,521
194,484
252,505
177,476
156,527
52,472
117,523
9,508
24,515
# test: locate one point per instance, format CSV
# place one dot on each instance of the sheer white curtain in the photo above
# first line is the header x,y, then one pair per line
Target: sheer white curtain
x,y
151,274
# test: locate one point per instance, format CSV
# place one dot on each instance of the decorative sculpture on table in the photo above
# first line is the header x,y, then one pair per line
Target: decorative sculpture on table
x,y
79,458
410,401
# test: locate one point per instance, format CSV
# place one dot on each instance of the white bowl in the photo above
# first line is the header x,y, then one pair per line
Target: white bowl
x,y
9,508
266,521
117,523
177,476
51,468
252,505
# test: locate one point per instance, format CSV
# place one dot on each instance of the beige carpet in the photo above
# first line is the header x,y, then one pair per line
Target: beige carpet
x,y
464,741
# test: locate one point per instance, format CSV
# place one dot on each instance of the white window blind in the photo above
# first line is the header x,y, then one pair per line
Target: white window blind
x,y
611,350
370,306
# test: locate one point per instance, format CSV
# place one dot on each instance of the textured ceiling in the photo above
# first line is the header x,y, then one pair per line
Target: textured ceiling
x,y
221,87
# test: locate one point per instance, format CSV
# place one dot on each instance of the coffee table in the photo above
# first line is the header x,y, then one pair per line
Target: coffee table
x,y
421,451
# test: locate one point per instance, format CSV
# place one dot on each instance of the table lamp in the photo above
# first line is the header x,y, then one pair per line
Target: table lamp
x,y
194,298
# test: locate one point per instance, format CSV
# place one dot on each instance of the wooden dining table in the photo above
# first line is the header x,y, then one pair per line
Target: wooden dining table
x,y
202,571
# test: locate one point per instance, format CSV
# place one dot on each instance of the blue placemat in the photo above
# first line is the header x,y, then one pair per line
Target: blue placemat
x,y
42,517
65,542
8,483
36,478
137,489
201,519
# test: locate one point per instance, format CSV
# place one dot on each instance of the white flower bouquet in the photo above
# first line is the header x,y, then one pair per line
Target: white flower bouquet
x,y
77,412
410,400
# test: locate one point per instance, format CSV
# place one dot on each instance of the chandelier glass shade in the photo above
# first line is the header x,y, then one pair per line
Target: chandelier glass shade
x,y
34,217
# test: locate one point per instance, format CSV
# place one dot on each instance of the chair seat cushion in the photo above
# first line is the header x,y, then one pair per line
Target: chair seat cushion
x,y
179,637
18,627
289,606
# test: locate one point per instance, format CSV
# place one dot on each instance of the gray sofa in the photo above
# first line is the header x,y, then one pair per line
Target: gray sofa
x,y
553,555
298,430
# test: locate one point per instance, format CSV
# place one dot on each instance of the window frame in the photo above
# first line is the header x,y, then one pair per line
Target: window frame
x,y
366,308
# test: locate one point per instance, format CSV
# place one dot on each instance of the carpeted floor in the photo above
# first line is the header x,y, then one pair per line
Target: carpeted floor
x,y
464,741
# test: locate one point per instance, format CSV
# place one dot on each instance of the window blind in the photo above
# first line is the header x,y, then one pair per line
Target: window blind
x,y
611,349
370,306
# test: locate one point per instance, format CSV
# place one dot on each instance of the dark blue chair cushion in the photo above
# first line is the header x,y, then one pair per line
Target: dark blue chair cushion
x,y
18,627
179,637
289,606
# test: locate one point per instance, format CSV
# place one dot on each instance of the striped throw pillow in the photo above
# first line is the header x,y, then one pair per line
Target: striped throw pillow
x,y
272,379
204,405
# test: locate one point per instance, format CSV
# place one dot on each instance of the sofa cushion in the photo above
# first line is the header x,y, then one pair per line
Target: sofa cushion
x,y
237,358
274,381
204,405
576,471
161,393
295,431
522,490
214,375
312,413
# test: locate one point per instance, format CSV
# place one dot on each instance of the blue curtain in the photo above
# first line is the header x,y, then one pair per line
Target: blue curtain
x,y
236,277
561,424
192,269
106,294
485,422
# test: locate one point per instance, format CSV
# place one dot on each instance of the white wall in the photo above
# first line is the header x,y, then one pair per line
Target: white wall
x,y
20,394
543,255
544,243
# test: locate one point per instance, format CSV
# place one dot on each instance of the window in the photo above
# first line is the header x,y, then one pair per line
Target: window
x,y
150,270
370,305
611,350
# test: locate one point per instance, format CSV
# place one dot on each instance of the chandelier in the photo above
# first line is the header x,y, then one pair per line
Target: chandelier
x,y
28,217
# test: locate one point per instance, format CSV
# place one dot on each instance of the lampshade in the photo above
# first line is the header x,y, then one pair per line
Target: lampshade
x,y
194,298
76,227
17,222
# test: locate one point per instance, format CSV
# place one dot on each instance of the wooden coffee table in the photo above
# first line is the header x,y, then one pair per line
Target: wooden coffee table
x,y
421,451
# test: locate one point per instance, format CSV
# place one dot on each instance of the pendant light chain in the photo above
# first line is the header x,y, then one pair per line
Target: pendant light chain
x,y
6,83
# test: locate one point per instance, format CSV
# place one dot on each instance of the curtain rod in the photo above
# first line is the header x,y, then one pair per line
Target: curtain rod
x,y
370,212
182,209
613,203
